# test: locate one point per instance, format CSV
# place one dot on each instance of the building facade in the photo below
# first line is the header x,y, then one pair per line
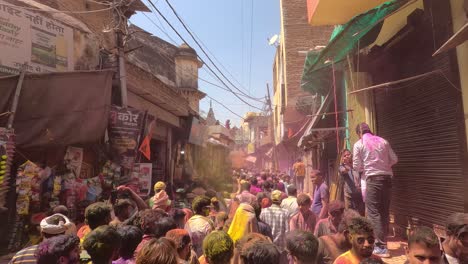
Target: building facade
x,y
291,104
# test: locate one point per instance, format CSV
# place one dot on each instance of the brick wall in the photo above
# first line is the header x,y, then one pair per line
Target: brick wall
x,y
298,35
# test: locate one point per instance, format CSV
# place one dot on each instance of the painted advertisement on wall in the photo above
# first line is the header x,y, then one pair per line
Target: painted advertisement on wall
x,y
45,44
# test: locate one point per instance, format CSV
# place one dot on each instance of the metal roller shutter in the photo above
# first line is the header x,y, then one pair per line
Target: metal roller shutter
x,y
421,120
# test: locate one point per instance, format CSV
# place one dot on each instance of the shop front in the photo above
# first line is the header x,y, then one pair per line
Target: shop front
x,y
421,115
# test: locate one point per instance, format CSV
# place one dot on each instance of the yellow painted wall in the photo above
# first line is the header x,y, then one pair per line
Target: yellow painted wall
x,y
459,19
359,102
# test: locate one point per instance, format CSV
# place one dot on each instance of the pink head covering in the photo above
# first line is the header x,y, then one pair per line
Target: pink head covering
x,y
161,200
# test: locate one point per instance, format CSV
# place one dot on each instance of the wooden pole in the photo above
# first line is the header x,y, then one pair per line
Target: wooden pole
x,y
14,105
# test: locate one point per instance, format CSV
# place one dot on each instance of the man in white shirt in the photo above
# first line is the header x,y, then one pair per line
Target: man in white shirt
x,y
290,203
374,157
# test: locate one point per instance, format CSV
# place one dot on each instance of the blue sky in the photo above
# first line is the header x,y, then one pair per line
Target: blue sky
x,y
224,26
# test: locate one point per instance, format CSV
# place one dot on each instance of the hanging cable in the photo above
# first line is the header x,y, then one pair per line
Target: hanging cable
x,y
202,49
182,38
166,57
214,56
227,108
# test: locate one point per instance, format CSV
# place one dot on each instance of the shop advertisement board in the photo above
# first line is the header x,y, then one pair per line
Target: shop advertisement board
x,y
45,44
125,127
141,178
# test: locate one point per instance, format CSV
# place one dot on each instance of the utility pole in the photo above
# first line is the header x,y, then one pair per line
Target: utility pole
x,y
121,54
19,86
273,137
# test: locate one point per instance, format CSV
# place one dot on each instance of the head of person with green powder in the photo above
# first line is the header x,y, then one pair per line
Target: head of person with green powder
x,y
218,248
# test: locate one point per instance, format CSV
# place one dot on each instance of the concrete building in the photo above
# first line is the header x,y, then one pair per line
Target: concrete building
x,y
290,103
409,83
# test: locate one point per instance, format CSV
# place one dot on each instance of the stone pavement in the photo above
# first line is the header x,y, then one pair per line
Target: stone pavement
x,y
396,247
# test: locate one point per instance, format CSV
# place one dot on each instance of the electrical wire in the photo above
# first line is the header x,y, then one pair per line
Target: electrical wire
x,y
211,74
227,108
178,34
168,59
162,30
215,58
204,52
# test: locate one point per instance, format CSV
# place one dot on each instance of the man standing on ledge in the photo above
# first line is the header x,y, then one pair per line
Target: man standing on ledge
x,y
374,157
299,173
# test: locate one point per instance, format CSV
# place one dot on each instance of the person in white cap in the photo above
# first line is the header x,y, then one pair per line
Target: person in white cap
x,y
54,225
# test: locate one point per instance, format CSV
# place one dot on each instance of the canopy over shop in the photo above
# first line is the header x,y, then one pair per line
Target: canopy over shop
x,y
388,45
63,153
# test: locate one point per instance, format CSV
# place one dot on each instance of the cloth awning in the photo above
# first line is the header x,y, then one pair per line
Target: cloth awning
x,y
58,109
359,32
314,121
457,39
336,12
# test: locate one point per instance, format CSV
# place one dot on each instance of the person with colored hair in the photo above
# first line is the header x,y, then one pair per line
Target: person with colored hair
x,y
304,219
199,225
155,224
423,247
302,247
131,237
373,157
59,249
361,237
333,245
158,251
102,244
247,240
254,186
218,248
183,244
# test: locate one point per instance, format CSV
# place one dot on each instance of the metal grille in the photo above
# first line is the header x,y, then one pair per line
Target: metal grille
x,y
421,121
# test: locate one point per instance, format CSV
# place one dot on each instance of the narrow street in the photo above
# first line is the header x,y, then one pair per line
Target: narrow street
x,y
234,131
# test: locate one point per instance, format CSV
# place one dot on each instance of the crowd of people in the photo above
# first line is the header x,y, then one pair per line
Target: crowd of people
x,y
266,221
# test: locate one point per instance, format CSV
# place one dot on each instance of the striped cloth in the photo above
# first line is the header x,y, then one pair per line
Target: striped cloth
x,y
26,255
